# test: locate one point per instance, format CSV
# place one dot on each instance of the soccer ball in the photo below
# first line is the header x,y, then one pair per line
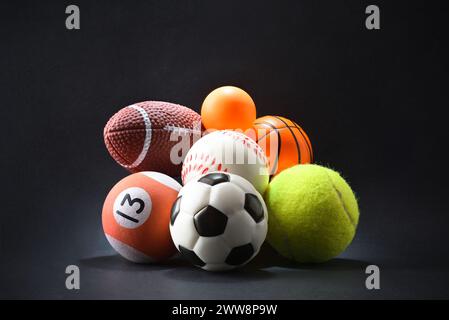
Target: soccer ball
x,y
219,221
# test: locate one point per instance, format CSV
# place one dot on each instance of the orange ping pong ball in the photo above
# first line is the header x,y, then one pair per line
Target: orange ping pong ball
x,y
228,108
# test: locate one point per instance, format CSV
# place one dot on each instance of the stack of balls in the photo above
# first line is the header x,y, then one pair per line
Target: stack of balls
x,y
244,180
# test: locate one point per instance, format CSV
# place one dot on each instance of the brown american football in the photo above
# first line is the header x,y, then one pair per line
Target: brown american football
x,y
140,137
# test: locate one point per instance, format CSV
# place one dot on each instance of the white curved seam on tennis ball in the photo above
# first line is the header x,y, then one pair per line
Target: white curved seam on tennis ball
x,y
340,198
147,141
162,178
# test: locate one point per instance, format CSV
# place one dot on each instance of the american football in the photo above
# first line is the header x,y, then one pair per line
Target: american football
x,y
141,137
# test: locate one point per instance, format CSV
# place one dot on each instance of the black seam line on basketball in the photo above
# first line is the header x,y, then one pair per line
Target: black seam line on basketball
x,y
340,198
268,124
278,129
126,216
309,147
294,138
276,160
266,134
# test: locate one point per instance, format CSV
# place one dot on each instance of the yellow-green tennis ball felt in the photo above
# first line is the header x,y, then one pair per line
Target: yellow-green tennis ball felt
x,y
312,213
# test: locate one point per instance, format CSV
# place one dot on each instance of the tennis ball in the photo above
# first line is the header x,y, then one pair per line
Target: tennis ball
x,y
313,213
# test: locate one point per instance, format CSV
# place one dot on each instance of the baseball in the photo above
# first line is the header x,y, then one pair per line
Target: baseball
x,y
227,151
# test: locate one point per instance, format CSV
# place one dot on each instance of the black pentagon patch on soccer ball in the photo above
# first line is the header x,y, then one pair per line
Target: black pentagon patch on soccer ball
x,y
254,207
175,210
214,178
210,222
191,256
240,255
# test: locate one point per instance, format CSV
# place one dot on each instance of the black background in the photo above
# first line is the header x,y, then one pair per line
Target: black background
x,y
373,103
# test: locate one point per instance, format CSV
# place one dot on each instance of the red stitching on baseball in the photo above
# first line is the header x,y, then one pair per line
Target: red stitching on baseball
x,y
202,168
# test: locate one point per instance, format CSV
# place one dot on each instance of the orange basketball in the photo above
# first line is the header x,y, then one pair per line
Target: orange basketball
x,y
284,142
136,216
228,108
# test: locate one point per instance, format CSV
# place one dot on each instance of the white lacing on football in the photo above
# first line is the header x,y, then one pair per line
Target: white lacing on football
x,y
147,141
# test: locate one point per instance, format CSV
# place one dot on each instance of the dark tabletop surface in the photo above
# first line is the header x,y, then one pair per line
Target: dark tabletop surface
x,y
409,267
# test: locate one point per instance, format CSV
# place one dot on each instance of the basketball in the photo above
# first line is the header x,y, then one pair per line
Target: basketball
x,y
285,143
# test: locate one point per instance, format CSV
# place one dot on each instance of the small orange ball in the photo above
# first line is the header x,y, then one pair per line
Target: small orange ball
x,y
285,143
228,108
